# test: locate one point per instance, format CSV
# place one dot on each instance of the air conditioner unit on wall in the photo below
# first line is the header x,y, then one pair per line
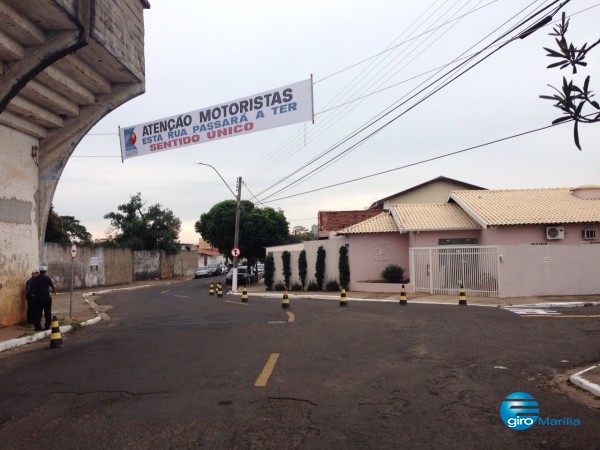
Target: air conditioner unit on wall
x,y
555,233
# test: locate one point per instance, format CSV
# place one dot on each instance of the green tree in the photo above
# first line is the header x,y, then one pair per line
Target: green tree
x,y
344,267
76,232
320,267
571,98
300,234
259,227
141,228
55,229
287,269
302,268
269,272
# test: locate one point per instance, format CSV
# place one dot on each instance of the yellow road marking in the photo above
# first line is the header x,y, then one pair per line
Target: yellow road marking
x,y
262,379
559,316
291,317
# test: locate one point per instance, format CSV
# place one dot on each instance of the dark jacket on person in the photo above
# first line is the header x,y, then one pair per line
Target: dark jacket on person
x,y
41,286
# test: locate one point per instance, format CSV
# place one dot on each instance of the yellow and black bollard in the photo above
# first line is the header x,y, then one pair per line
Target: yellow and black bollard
x,y
462,297
244,295
343,299
219,290
285,301
211,290
403,296
55,336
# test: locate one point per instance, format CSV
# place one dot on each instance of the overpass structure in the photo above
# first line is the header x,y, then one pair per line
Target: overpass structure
x,y
64,64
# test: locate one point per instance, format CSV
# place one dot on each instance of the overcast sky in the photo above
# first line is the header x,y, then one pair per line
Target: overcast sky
x,y
365,58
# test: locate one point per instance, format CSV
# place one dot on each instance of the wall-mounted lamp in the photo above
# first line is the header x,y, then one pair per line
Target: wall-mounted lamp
x,y
34,151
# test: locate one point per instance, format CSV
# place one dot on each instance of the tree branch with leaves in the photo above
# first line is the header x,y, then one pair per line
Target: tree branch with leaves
x,y
570,98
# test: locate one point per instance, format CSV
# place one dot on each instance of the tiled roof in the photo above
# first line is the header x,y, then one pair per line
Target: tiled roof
x,y
528,206
381,223
209,251
336,220
432,216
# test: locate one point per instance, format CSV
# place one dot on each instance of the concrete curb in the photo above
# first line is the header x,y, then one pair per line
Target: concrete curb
x,y
355,299
17,342
577,379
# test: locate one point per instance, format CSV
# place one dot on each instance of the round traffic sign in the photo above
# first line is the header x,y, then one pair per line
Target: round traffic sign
x,y
235,252
73,251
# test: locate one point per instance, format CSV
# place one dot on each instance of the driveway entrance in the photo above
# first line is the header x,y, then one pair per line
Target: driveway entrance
x,y
442,270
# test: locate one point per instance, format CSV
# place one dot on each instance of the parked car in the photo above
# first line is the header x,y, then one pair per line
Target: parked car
x,y
214,270
243,276
202,272
260,267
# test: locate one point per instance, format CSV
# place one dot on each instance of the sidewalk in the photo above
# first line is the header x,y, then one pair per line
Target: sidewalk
x,y
81,310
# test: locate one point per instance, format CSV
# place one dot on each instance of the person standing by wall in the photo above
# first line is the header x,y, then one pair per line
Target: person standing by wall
x,y
29,296
41,290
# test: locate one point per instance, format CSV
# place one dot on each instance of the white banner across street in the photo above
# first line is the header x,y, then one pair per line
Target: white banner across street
x,y
275,108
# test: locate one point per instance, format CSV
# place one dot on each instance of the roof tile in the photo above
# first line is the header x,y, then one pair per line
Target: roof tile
x,y
528,206
381,223
432,216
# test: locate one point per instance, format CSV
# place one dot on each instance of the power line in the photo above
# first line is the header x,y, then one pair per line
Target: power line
x,y
423,161
391,109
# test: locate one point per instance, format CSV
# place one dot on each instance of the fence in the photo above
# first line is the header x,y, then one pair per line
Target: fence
x,y
442,270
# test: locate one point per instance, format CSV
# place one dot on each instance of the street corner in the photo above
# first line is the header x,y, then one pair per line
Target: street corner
x,y
588,379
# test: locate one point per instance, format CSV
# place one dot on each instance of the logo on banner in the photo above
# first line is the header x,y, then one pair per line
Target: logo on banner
x,y
130,138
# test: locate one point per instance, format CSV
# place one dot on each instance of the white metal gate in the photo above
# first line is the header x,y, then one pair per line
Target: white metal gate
x,y
442,270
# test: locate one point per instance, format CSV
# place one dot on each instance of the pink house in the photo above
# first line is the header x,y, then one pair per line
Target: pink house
x,y
446,234
505,243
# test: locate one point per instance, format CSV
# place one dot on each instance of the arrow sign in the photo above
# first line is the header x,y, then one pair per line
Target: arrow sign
x,y
73,251
235,252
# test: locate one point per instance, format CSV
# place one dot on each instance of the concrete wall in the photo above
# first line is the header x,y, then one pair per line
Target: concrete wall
x,y
332,257
185,263
371,253
18,222
524,270
118,266
98,266
532,270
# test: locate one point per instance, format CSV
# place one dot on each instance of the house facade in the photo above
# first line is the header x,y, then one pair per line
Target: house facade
x,y
496,243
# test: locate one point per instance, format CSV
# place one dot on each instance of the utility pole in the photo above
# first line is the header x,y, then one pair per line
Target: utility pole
x,y
236,238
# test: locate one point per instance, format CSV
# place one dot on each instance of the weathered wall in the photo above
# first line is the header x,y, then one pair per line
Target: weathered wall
x,y
146,265
89,59
85,275
185,263
118,266
18,227
98,266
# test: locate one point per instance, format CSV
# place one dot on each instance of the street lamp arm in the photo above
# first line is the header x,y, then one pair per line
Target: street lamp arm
x,y
204,164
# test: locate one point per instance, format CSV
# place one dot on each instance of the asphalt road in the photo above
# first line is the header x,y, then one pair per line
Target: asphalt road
x,y
177,368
